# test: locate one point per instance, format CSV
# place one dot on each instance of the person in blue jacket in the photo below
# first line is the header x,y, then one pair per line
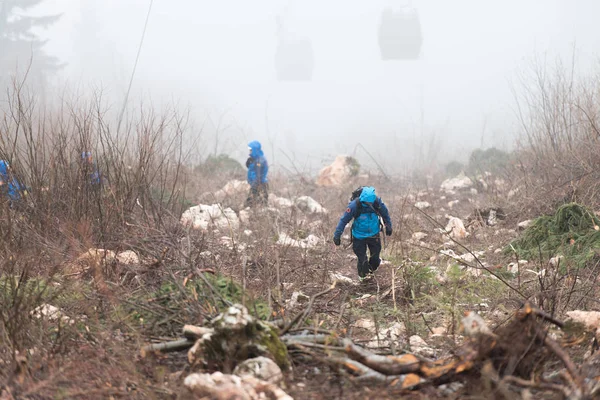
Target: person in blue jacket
x,y
90,170
258,168
365,210
10,186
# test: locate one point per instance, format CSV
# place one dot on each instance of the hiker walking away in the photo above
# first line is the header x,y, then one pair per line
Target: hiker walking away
x,y
365,208
89,171
10,186
258,169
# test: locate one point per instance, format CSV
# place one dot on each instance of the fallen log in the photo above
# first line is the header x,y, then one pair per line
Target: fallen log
x,y
166,347
510,356
193,332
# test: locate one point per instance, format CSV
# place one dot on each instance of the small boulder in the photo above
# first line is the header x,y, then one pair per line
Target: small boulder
x,y
128,257
422,205
262,368
219,386
590,319
307,243
339,172
524,224
203,217
335,277
279,202
456,229
231,189
420,346
473,325
51,313
298,298
459,182
309,205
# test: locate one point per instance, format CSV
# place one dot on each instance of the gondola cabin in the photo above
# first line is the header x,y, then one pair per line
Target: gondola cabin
x,y
400,36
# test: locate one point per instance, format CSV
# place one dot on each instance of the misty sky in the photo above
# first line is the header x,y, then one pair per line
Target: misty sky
x,y
218,58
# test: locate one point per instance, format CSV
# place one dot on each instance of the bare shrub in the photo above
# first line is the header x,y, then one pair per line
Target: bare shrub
x,y
559,113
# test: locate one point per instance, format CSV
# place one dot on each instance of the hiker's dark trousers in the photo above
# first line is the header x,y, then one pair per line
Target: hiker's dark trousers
x,y
367,264
258,195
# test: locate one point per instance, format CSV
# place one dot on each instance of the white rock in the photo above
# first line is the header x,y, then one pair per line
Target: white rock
x,y
315,225
512,193
591,319
220,386
97,255
524,224
279,202
467,257
231,188
417,236
513,267
245,216
203,217
307,243
337,173
422,205
51,313
298,298
456,229
262,368
473,191
128,257
231,244
420,346
386,336
309,205
365,324
247,232
556,261
452,203
341,278
474,325
457,183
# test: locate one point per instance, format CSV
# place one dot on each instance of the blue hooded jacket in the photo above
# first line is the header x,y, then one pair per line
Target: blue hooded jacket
x,y
13,187
92,170
365,210
257,165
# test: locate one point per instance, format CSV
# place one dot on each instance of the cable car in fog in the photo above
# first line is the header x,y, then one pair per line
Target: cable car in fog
x,y
400,36
294,59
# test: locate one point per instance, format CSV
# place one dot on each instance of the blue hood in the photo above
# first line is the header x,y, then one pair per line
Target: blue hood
x,y
3,168
256,150
368,195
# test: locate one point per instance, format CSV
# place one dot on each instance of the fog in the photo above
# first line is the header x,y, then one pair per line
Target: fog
x,y
217,57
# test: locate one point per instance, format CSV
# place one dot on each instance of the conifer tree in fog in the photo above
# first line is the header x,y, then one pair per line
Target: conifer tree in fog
x,y
21,49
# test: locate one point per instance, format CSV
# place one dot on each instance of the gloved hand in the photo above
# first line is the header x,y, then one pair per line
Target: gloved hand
x,y
336,240
388,231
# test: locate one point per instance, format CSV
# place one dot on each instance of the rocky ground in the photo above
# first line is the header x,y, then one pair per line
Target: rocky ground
x,y
231,268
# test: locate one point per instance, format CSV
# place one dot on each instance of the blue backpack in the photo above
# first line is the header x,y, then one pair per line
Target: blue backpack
x,y
367,222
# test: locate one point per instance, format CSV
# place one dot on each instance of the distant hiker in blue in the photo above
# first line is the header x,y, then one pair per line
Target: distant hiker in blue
x,y
9,184
89,170
258,169
366,208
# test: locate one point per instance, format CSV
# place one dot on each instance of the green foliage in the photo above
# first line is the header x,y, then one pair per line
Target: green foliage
x,y
417,279
490,160
354,165
570,232
194,299
167,198
18,39
454,168
221,163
